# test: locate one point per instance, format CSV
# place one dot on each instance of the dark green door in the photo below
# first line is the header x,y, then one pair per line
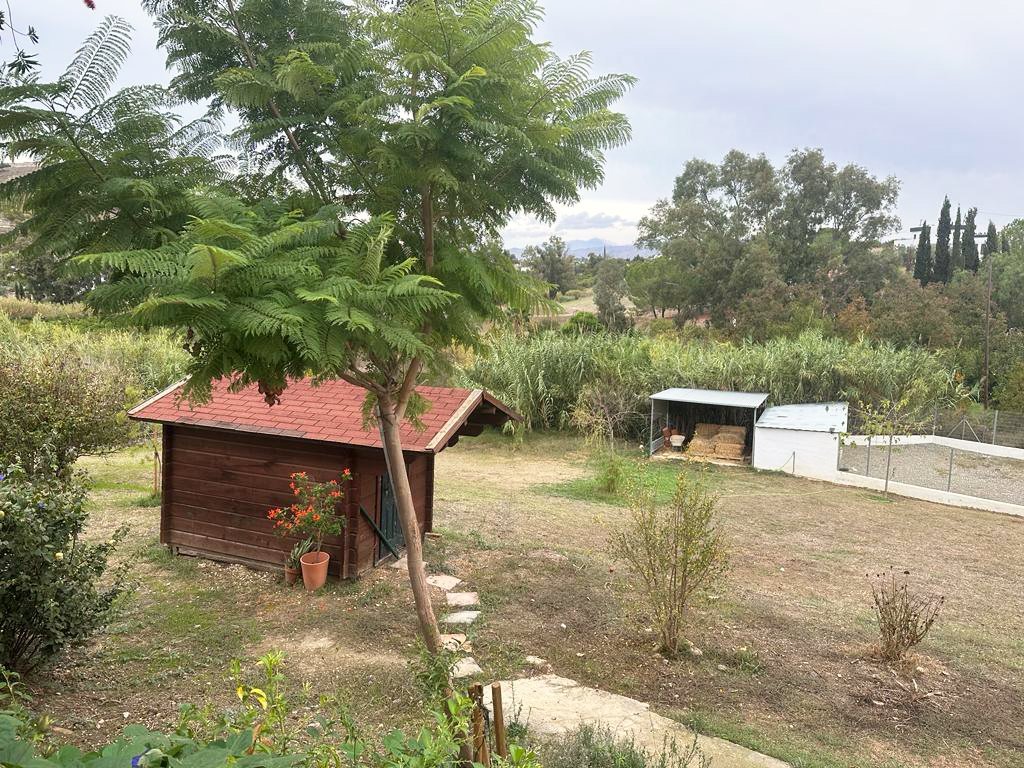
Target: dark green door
x,y
390,525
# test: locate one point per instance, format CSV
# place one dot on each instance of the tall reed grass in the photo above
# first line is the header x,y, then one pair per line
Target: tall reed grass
x,y
549,377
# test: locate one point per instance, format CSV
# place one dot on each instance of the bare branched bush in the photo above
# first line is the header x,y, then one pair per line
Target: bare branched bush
x,y
675,550
904,617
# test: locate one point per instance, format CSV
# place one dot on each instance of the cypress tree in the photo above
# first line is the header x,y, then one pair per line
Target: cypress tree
x,y
941,267
991,240
970,248
956,254
923,259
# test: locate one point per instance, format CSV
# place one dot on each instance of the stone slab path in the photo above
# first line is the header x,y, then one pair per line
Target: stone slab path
x,y
443,581
460,617
462,599
554,705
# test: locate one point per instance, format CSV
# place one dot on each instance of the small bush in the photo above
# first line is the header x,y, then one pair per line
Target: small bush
x,y
1009,393
675,550
904,617
590,747
582,322
50,593
69,389
613,470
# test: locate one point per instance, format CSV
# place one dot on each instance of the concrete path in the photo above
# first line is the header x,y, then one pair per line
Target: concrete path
x,y
554,705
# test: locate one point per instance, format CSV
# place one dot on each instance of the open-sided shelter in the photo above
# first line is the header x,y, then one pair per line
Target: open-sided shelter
x,y
681,409
227,462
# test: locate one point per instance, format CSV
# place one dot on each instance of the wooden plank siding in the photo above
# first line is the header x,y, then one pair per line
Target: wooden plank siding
x,y
219,484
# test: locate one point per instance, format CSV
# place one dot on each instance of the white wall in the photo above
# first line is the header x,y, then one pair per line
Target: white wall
x,y
929,494
972,446
798,452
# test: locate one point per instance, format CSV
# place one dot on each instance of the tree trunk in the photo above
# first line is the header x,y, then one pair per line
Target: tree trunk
x,y
392,439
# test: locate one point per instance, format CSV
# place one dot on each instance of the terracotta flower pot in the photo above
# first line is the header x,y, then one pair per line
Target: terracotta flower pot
x,y
314,569
291,575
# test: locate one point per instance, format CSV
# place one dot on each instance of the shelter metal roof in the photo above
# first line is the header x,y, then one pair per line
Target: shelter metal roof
x,y
807,417
712,397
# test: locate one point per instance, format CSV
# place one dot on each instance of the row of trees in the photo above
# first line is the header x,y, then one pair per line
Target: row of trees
x,y
382,149
963,253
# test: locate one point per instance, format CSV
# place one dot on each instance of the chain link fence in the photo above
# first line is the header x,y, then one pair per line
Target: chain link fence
x,y
980,466
993,426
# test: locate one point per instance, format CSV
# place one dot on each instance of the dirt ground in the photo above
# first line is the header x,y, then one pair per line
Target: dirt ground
x,y
785,664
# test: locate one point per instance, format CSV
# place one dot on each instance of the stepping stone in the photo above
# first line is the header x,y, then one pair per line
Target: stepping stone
x,y
454,641
461,617
462,599
402,564
443,581
466,667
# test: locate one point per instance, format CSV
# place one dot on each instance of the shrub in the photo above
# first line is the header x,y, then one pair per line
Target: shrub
x,y
50,593
904,617
68,389
314,514
597,747
613,469
582,322
1009,393
674,549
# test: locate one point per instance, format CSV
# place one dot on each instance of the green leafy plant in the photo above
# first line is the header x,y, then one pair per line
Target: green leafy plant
x,y
297,551
675,551
314,514
51,596
66,389
581,323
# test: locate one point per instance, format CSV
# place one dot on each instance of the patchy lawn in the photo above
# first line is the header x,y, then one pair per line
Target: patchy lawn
x,y
785,665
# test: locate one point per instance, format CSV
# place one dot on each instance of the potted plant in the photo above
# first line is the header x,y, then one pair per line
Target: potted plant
x,y
313,515
292,567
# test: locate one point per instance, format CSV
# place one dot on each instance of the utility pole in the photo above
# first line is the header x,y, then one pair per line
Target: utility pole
x,y
988,332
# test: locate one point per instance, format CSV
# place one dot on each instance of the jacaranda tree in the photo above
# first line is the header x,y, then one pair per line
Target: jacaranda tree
x,y
432,124
116,169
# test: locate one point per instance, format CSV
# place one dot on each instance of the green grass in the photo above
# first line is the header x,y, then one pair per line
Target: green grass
x,y
663,475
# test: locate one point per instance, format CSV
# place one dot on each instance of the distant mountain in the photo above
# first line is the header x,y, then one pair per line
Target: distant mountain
x,y
581,248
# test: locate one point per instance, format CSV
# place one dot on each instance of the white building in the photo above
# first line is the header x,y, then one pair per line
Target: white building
x,y
800,439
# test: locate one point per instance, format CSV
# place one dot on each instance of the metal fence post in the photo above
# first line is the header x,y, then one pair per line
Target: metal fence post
x,y
867,472
888,461
995,425
949,475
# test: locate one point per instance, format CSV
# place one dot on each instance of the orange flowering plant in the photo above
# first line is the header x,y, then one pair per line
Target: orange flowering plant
x,y
313,513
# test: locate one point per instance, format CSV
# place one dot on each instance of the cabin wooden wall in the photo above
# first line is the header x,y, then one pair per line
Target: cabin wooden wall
x,y
219,484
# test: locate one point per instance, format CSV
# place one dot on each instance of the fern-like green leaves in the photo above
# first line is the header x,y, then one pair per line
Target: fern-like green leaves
x,y
263,297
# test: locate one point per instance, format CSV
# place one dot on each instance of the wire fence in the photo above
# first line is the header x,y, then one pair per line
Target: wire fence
x,y
979,466
937,466
992,426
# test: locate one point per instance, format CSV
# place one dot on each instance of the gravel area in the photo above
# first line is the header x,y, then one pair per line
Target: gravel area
x,y
974,474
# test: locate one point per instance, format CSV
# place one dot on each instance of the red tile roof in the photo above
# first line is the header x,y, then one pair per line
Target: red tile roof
x,y
331,412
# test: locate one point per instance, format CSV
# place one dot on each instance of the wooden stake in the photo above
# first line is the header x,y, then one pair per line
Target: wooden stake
x,y
480,752
498,721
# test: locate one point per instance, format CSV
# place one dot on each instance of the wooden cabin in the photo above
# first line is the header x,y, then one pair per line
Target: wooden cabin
x,y
227,462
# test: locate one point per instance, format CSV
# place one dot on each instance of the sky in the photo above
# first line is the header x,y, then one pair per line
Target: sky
x,y
925,90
